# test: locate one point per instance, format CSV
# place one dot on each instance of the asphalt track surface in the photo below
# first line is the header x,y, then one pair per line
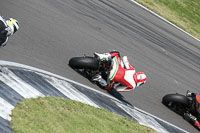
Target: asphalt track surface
x,y
53,31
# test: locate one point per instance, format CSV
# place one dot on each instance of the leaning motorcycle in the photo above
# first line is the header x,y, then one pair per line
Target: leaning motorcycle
x,y
90,66
181,103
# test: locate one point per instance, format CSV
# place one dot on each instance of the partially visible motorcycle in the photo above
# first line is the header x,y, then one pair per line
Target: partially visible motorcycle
x,y
181,104
177,102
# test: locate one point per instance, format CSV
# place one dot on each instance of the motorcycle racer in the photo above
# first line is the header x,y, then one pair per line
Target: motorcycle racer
x,y
193,115
7,28
122,75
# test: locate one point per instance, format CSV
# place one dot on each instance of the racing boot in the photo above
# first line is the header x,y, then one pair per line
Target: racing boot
x,y
196,124
191,119
102,57
98,78
188,94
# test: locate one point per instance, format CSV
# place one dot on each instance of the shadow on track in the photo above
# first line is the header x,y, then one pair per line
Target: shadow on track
x,y
112,92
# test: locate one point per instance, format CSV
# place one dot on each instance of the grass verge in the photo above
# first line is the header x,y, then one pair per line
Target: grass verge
x,y
58,115
183,13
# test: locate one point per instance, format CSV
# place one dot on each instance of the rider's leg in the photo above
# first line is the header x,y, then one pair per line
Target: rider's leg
x,y
125,62
98,78
189,94
192,119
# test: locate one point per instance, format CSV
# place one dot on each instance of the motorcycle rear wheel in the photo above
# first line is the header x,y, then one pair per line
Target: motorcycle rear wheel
x,y
84,63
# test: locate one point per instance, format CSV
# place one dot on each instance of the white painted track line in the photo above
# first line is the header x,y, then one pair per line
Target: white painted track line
x,y
164,20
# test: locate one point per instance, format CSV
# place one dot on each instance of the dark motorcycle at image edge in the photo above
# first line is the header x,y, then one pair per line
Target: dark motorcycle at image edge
x,y
180,103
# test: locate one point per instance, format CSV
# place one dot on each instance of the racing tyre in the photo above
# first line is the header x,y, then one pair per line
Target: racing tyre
x,y
175,98
84,63
176,102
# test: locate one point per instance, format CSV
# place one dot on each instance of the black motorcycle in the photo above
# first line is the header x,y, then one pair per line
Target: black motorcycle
x,y
181,103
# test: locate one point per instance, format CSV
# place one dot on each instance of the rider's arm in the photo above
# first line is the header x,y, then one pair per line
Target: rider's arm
x,y
125,59
126,63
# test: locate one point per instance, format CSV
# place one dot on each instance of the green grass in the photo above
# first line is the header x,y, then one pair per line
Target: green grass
x,y
183,13
58,115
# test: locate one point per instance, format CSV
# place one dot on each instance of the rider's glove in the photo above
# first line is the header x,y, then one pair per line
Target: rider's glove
x,y
102,57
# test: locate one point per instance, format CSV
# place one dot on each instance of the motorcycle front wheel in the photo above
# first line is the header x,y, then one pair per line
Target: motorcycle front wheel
x,y
176,102
84,63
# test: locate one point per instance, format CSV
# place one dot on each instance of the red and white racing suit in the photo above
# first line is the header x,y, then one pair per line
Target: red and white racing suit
x,y
122,74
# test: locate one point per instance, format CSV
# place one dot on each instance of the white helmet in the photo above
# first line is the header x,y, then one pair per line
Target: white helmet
x,y
140,78
13,26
